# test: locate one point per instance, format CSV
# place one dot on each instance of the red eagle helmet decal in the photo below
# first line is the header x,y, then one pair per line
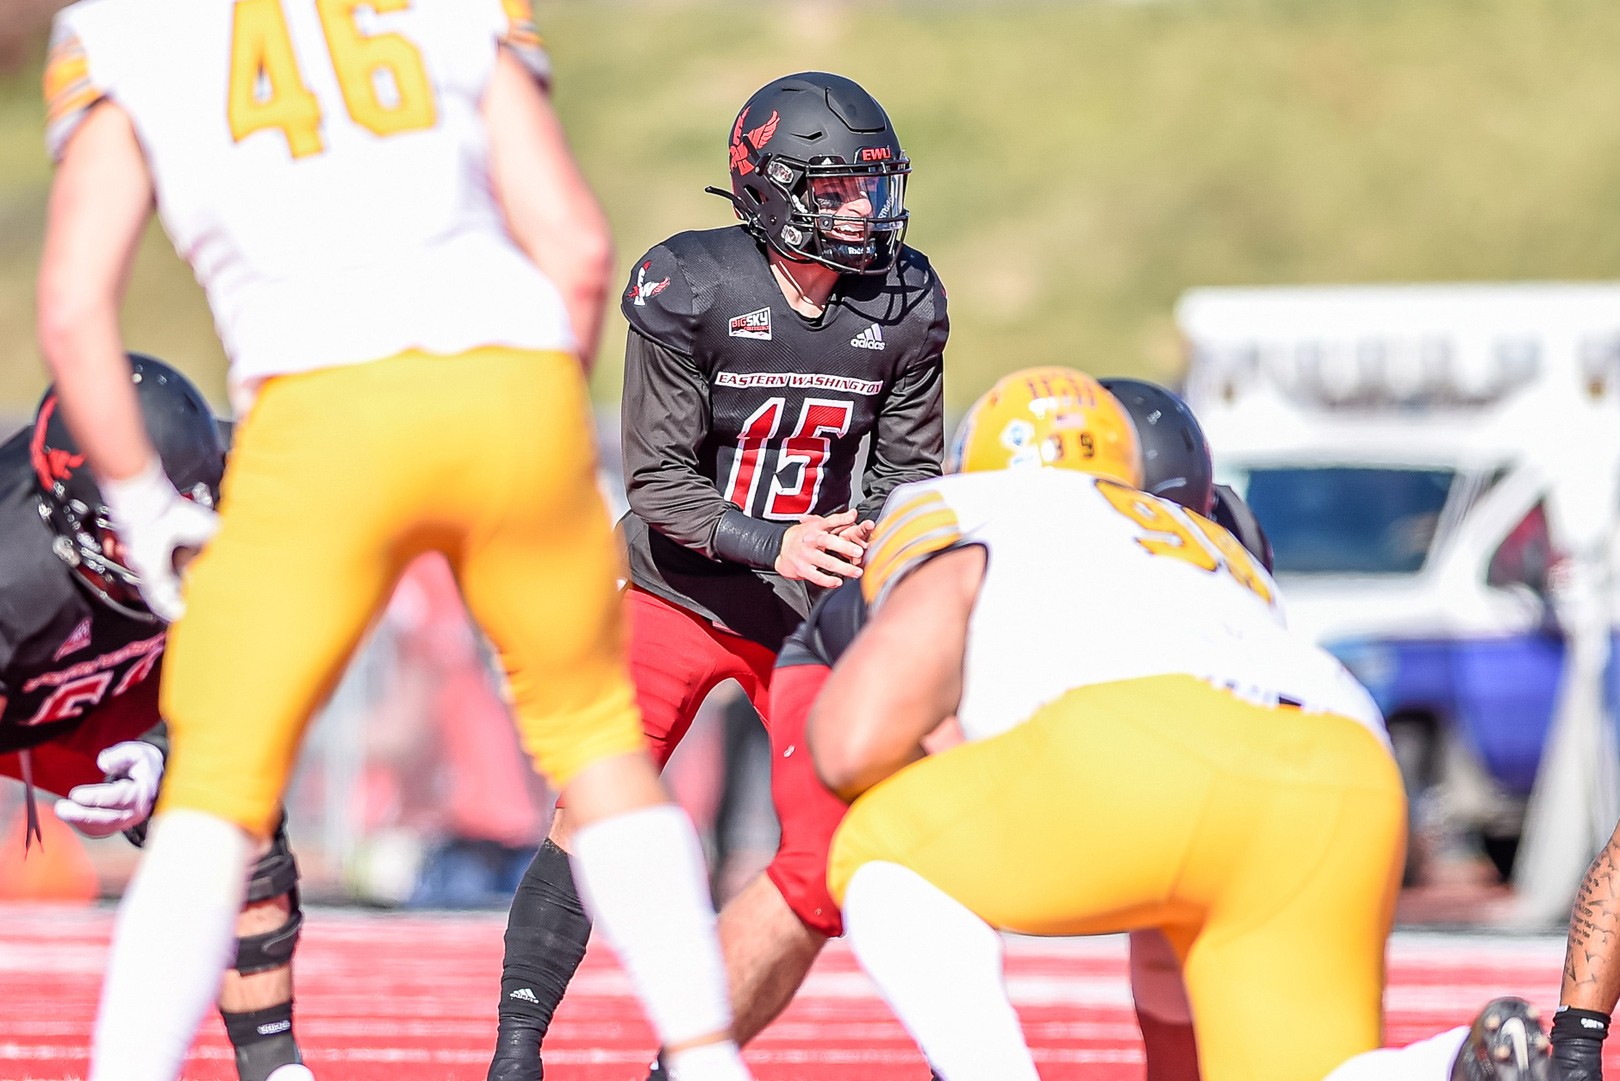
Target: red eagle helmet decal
x,y
744,145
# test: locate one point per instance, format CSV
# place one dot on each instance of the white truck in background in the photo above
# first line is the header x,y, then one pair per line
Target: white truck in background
x,y
1438,470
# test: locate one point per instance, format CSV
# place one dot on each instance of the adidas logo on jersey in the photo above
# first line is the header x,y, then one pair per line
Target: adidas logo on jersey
x,y
755,324
870,338
523,994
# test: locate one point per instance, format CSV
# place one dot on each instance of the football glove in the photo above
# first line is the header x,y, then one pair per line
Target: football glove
x,y
124,800
155,525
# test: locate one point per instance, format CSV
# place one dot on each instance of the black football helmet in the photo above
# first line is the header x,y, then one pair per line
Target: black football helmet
x,y
806,151
1175,454
182,428
1236,517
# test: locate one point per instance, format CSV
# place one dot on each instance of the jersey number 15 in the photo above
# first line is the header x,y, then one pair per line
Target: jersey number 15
x,y
268,91
821,420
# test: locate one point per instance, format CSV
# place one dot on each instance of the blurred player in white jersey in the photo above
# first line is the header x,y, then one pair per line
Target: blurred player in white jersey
x,y
407,271
1148,747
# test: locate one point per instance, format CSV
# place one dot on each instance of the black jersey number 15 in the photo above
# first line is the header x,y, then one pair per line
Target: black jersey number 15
x,y
755,483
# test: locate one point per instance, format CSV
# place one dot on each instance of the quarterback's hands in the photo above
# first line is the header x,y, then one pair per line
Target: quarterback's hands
x,y
814,550
157,530
134,770
860,533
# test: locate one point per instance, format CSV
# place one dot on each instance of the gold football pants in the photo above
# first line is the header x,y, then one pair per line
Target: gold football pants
x,y
1266,843
337,479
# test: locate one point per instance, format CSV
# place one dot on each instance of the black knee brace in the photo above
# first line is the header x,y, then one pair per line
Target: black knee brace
x,y
263,1039
546,933
275,875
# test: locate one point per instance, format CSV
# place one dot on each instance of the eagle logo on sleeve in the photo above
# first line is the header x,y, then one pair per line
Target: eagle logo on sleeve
x,y
745,145
641,292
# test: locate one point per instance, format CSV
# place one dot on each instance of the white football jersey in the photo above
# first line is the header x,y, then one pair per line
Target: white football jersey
x,y
323,167
1089,581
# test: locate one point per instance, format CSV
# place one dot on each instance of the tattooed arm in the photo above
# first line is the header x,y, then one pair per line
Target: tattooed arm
x,y
1591,969
1592,962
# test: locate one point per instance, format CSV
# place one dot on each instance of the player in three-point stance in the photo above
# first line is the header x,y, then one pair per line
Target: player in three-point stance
x,y
1147,746
81,660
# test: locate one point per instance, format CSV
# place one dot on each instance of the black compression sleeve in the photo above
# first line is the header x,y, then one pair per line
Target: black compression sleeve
x,y
1577,1037
752,542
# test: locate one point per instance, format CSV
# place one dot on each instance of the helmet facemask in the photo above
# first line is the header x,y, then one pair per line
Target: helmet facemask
x,y
851,218
86,541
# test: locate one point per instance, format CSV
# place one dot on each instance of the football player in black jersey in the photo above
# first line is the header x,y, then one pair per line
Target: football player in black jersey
x,y
761,357
80,659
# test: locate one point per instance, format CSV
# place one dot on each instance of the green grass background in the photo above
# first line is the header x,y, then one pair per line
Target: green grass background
x,y
1077,165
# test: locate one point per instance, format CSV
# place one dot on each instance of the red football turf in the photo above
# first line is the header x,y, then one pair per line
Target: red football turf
x,y
411,998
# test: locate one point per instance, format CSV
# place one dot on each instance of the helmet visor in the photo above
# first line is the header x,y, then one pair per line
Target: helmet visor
x,y
851,207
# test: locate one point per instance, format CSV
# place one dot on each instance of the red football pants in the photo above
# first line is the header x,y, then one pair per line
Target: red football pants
x,y
807,809
676,659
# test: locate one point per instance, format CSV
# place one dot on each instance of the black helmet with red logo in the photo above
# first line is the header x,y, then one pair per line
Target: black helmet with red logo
x,y
818,174
182,429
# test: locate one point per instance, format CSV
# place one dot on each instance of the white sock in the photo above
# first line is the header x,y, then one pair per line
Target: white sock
x,y
175,933
291,1072
641,877
1426,1060
716,1060
939,967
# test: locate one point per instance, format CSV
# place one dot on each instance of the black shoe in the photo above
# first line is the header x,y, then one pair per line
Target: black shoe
x,y
1506,1043
517,1055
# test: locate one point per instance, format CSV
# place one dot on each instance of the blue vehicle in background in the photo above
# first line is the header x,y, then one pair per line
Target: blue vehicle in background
x,y
1425,459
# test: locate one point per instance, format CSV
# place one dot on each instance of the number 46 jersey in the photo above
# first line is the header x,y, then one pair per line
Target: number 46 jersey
x,y
1090,581
322,165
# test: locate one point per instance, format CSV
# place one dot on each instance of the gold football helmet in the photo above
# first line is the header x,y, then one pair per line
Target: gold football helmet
x,y
1056,418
